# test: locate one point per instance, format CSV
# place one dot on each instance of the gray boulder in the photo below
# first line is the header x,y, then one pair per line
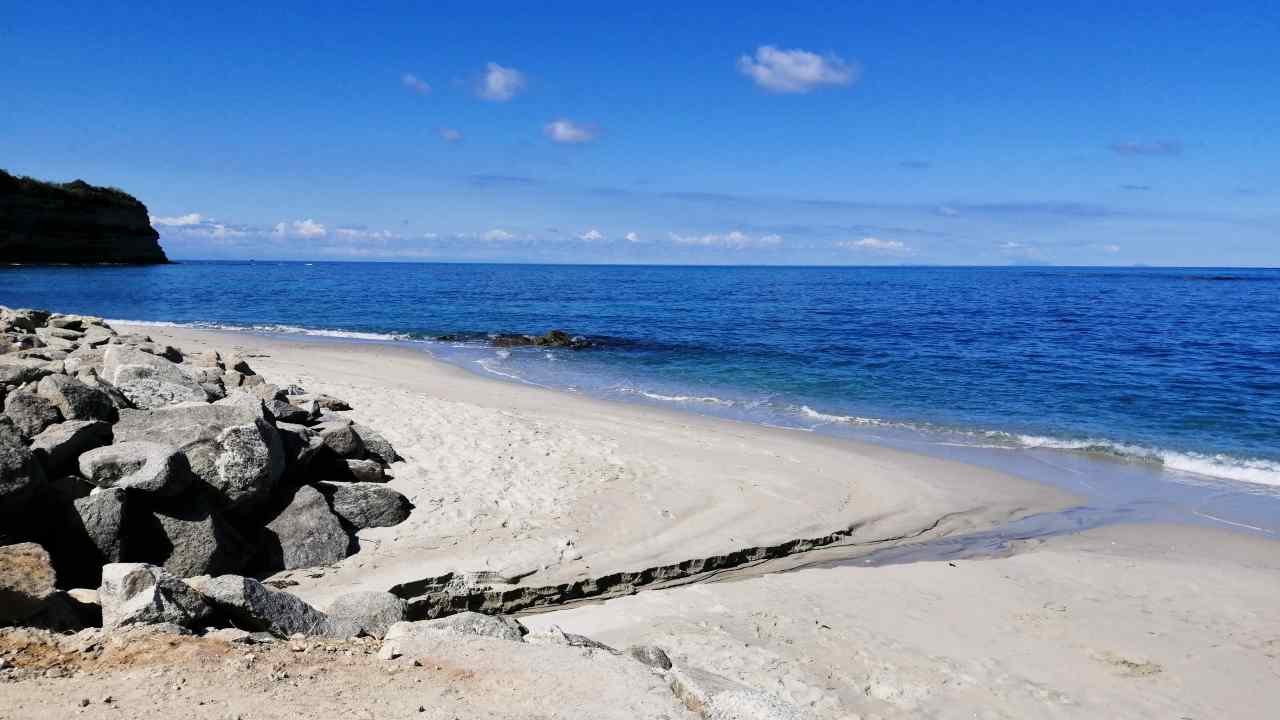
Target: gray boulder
x,y
651,655
140,594
20,472
230,445
341,438
305,534
85,358
59,445
422,637
187,538
30,413
366,471
90,377
27,581
366,505
93,535
148,380
253,606
138,465
370,613
376,444
283,411
76,400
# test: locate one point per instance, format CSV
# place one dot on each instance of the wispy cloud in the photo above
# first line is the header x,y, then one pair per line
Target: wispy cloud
x,y
735,240
1160,147
567,132
299,229
500,84
632,237
197,226
497,235
592,235
876,245
415,83
795,71
180,221
450,135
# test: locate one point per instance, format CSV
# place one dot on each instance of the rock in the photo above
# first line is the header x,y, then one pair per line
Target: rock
x,y
30,413
719,698
341,438
20,472
74,323
59,445
366,505
85,358
299,441
305,534
324,402
555,338
230,445
187,538
369,613
149,381
238,364
651,655
141,594
90,377
502,627
96,337
23,318
253,606
27,581
205,359
556,636
92,535
366,471
376,444
76,400
283,411
137,465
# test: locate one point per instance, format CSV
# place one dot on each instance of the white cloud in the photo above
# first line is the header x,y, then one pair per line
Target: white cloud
x,y
451,135
497,235
795,71
735,240
875,244
592,235
415,84
569,132
299,228
632,237
179,221
500,84
363,234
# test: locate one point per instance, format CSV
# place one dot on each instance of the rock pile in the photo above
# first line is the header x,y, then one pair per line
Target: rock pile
x,y
116,449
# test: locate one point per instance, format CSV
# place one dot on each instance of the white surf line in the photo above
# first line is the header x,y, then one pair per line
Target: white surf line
x,y
1232,522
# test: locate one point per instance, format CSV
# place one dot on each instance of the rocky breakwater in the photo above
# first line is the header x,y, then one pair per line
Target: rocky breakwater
x,y
73,222
127,466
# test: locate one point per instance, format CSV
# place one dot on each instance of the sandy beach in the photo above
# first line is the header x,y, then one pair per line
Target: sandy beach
x,y
522,486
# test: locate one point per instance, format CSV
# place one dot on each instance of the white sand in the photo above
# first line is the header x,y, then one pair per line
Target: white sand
x,y
550,487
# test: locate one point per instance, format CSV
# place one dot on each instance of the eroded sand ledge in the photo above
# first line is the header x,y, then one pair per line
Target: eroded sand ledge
x,y
519,485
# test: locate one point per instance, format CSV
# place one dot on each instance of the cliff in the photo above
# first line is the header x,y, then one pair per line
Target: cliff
x,y
73,222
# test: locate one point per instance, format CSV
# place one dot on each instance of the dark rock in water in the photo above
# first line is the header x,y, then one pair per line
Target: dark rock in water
x,y
253,606
139,466
20,473
27,580
30,413
230,445
366,505
76,400
555,338
187,538
141,594
305,534
59,445
73,222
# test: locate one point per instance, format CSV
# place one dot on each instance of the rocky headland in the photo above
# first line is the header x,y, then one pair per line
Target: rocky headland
x,y
73,223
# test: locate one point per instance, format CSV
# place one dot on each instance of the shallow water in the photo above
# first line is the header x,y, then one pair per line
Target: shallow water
x,y
1155,386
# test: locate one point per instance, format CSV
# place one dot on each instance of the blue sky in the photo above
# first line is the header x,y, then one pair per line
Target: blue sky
x,y
841,133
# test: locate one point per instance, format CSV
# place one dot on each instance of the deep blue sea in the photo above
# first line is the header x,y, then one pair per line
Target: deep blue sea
x,y
1177,369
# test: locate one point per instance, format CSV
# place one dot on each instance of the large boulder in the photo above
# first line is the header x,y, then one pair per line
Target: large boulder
x,y
305,534
366,505
76,400
92,535
20,472
30,413
187,538
230,445
141,594
16,370
341,437
138,465
376,445
253,606
149,381
27,581
59,445
370,612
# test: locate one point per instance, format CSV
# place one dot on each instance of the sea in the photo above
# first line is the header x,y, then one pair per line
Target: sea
x,y
1151,391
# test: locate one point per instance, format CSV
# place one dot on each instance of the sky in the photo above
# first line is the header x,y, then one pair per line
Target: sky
x,y
849,133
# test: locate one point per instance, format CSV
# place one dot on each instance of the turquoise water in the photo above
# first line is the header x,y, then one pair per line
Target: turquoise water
x,y
1176,370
